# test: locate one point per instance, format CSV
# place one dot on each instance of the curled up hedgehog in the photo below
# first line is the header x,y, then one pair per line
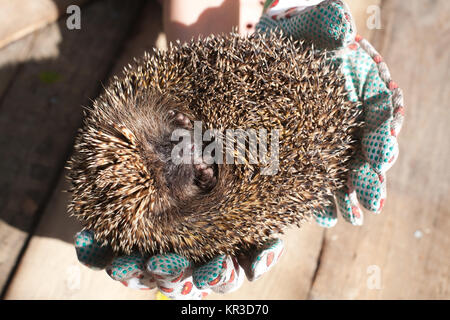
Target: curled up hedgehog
x,y
129,189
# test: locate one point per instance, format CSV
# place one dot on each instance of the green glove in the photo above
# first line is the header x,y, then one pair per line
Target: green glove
x,y
329,25
174,275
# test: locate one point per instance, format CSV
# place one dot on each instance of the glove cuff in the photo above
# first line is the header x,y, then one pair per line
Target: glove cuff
x,y
328,24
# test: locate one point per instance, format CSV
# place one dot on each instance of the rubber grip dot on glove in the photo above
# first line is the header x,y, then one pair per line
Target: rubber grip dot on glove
x,y
326,218
233,279
170,264
126,267
380,148
349,207
265,258
212,273
91,253
369,186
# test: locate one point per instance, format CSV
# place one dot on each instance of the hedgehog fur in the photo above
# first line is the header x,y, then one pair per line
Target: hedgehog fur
x,y
126,189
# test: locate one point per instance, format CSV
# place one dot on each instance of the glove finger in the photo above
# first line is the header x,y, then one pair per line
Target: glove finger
x,y
233,280
91,253
214,273
369,186
168,268
130,271
173,275
262,260
349,207
380,147
327,218
126,267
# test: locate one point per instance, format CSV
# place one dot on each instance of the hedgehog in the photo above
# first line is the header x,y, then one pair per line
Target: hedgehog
x,y
130,192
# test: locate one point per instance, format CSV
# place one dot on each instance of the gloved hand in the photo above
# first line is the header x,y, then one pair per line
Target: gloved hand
x,y
329,25
174,275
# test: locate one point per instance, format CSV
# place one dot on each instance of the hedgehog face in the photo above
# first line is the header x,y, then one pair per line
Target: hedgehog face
x,y
176,151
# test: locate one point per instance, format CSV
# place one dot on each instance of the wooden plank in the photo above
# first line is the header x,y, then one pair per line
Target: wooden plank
x,y
40,112
10,57
407,246
19,18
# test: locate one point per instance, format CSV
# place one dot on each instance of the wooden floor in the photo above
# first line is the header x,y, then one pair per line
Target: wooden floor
x,y
47,72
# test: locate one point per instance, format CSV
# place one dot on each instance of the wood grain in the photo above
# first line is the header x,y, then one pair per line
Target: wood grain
x,y
10,57
40,112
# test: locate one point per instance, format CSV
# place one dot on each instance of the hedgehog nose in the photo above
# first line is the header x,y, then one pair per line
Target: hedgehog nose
x,y
191,148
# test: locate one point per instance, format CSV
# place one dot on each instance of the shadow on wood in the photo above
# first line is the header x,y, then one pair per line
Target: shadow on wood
x,y
45,79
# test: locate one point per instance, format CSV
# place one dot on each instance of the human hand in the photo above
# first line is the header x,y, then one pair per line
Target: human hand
x,y
174,275
329,25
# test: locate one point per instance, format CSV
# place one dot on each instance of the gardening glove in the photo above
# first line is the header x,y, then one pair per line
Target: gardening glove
x,y
329,25
175,276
